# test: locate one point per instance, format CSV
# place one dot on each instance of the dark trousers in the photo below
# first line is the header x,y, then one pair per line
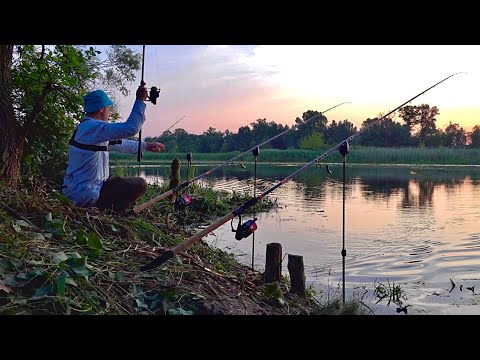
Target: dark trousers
x,y
119,193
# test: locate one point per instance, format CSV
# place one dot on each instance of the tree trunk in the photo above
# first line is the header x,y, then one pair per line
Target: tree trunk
x,y
11,150
11,135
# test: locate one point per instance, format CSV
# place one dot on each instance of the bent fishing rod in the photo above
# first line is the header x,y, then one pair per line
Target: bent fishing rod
x,y
188,182
168,254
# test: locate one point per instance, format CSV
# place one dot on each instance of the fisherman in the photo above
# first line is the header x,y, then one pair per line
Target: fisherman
x,y
87,182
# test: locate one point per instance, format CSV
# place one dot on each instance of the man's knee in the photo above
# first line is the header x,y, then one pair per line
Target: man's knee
x,y
133,187
141,185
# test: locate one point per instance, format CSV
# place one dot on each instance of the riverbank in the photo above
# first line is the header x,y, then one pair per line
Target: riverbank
x,y
56,258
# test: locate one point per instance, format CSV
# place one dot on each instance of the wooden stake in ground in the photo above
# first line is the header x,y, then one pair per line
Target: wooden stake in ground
x,y
297,275
273,263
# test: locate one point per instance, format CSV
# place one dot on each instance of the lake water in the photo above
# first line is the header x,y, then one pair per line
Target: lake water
x,y
416,227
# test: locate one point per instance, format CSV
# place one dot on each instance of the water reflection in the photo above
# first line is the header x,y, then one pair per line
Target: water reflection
x,y
413,225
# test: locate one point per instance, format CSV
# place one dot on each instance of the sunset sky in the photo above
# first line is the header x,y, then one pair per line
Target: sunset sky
x,y
230,86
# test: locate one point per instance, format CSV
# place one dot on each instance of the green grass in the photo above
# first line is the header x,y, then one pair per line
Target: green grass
x,y
56,258
358,154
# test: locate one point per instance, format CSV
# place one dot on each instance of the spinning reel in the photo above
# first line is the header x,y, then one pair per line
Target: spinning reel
x,y
154,94
182,201
244,230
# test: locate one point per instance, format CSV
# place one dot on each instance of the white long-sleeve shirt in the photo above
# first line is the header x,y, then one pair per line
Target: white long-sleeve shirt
x,y
87,169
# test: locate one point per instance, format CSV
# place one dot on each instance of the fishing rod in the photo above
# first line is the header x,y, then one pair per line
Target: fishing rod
x,y
175,123
187,183
154,94
139,149
168,254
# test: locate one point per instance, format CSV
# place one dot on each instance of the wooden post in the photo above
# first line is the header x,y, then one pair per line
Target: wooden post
x,y
297,275
273,263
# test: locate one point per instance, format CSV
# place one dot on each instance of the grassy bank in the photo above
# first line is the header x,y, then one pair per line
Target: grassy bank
x,y
358,154
56,258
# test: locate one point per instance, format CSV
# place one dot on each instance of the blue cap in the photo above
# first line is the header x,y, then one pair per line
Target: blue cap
x,y
96,100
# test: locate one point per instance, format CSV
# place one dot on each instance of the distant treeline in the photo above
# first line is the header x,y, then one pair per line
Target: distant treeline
x,y
416,129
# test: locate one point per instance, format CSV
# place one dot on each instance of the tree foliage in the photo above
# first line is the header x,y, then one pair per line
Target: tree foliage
x,y
45,85
455,136
420,120
337,132
475,136
313,141
309,123
386,133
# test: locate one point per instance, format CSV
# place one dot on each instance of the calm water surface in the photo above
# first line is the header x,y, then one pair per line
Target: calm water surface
x,y
413,226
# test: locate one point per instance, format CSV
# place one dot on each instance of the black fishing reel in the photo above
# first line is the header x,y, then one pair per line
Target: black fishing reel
x,y
189,158
244,230
182,201
256,151
154,94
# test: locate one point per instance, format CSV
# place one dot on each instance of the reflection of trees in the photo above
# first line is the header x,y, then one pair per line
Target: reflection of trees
x,y
425,194
426,188
453,183
408,199
384,187
314,188
381,183
308,185
475,183
315,192
416,184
